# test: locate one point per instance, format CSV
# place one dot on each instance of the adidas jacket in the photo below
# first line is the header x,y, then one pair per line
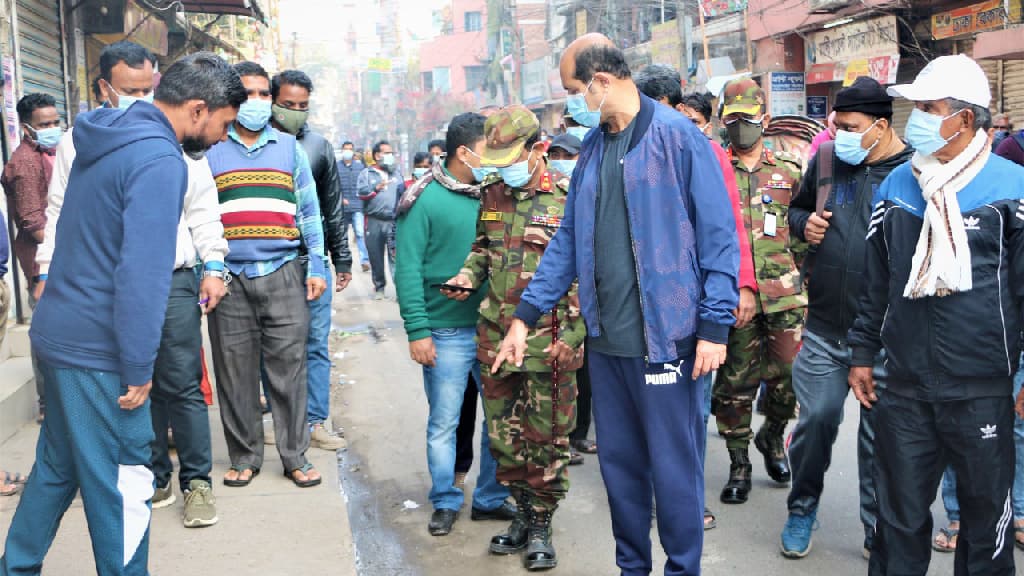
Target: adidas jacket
x,y
964,345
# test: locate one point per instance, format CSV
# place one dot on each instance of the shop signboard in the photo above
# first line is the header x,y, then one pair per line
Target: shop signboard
x,y
10,105
788,93
714,8
968,20
862,39
666,44
817,107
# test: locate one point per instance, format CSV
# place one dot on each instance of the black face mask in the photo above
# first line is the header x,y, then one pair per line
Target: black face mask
x,y
194,147
745,134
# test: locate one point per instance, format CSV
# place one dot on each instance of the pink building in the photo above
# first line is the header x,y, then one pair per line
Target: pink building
x,y
456,61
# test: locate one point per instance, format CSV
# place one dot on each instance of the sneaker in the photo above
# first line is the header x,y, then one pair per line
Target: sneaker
x,y
796,535
366,267
199,505
320,438
163,496
378,295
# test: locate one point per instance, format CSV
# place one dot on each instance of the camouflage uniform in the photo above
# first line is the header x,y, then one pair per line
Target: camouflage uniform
x,y
528,418
764,349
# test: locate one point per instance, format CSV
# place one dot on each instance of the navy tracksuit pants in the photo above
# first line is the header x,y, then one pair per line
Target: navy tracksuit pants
x,y
651,429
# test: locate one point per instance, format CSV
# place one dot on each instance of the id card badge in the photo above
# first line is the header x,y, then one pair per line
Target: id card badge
x,y
770,225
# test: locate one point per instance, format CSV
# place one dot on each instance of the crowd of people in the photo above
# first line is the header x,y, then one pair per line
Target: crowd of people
x,y
630,266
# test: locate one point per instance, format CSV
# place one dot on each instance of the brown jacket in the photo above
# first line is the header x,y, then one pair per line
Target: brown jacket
x,y
25,180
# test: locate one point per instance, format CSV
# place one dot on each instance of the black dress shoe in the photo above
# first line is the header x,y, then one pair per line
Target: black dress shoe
x,y
737,489
507,511
770,443
441,522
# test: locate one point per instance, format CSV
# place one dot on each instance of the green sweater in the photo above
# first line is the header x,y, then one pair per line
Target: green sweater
x,y
433,240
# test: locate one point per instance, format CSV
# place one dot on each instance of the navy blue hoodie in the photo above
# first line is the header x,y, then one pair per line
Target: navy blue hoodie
x,y
106,294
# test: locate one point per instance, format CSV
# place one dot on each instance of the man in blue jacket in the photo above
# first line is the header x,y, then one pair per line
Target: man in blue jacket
x,y
97,329
657,303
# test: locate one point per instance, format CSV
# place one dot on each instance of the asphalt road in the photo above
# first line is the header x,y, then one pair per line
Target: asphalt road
x,y
385,481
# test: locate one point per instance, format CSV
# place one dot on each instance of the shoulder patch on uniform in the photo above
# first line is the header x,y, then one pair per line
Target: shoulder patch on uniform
x,y
789,157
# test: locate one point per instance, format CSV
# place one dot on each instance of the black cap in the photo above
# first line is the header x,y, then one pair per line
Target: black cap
x,y
865,95
567,142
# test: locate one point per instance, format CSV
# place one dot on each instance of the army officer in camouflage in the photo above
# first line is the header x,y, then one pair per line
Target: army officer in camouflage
x,y
766,337
530,408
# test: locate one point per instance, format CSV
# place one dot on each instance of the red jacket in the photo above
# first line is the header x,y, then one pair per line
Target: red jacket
x,y
25,180
747,279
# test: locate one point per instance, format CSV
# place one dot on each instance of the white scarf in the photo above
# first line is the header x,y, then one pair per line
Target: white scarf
x,y
942,259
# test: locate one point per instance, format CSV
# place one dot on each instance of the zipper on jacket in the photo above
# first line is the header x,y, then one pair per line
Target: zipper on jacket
x,y
636,261
849,249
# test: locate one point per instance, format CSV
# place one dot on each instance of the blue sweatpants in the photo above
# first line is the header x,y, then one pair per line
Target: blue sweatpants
x,y
650,425
87,443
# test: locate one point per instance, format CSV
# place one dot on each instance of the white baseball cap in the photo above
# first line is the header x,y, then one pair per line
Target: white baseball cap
x,y
956,77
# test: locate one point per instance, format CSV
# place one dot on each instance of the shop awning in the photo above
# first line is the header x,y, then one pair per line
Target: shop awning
x,y
1000,44
238,7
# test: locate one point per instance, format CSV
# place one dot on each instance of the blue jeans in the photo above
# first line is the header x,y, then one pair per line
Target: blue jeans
x,y
949,499
820,382
318,359
359,225
445,385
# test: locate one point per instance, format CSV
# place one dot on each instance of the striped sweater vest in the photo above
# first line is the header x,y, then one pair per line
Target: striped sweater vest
x,y
257,198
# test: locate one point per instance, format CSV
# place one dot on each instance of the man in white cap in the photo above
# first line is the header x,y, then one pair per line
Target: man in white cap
x,y
943,295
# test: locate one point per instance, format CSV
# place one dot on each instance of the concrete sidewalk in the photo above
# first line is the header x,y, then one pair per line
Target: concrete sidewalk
x,y
270,527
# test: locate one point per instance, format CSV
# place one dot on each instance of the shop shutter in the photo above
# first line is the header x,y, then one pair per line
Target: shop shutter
x,y
40,49
1013,91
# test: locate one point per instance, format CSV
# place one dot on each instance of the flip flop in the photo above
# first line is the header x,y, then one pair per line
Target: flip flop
x,y
575,458
305,470
1018,543
950,534
714,521
17,478
239,483
13,490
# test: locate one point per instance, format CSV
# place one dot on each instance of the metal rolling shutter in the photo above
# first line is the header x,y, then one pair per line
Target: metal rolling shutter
x,y
1013,91
41,52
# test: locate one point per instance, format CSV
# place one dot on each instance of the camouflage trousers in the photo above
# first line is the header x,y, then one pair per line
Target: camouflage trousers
x,y
763,350
528,422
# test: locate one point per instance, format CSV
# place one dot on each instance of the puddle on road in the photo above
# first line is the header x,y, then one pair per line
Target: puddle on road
x,y
378,550
377,330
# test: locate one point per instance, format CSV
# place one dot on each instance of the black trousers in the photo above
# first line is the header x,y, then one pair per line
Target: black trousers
x,y
467,427
915,440
176,399
583,401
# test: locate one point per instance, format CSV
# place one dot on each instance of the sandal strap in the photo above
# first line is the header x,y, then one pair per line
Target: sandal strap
x,y
304,469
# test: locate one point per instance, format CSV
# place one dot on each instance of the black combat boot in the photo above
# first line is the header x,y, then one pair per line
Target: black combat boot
x,y
540,554
770,443
515,538
738,486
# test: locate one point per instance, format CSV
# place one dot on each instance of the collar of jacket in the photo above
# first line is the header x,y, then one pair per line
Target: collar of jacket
x,y
642,121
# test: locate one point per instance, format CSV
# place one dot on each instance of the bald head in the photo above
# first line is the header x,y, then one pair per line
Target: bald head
x,y
593,66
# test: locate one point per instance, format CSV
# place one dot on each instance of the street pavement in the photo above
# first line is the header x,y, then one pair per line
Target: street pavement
x,y
370,516
384,475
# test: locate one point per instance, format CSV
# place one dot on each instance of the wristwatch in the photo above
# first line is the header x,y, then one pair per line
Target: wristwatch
x,y
222,274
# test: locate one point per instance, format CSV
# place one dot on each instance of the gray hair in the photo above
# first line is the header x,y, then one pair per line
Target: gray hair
x,y
982,115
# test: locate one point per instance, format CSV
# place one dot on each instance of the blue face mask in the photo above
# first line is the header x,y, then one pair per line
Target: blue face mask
x,y
481,173
418,173
848,146
254,114
347,155
578,131
518,174
125,101
564,166
47,137
923,131
576,106
387,159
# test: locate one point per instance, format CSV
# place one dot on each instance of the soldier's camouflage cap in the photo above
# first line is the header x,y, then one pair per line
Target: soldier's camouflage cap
x,y
742,96
506,132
